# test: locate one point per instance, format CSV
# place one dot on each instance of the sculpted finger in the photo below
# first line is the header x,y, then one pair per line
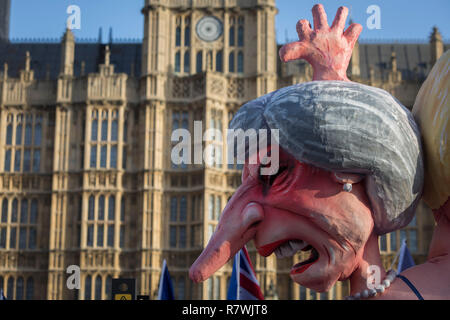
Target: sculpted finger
x,y
320,17
304,29
293,51
339,20
352,33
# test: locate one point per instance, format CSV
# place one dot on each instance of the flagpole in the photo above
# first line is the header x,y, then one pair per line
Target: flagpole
x,y
398,254
238,273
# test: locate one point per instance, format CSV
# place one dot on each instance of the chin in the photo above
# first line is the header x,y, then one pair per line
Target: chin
x,y
320,276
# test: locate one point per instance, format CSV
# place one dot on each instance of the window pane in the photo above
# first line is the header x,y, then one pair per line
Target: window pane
x,y
232,36
383,245
210,288
19,289
90,236
177,62
36,160
98,288
104,130
12,238
125,130
24,211
241,37
22,238
111,235
187,62
10,289
240,62
111,208
9,134
5,210
182,237
412,243
199,62
101,208
34,209
393,236
103,156
413,222
183,209
192,237
32,238
14,210
218,207
37,134
108,285
122,209
178,37
216,288
93,156
94,130
17,160
27,160
91,208
100,232
114,130
113,159
87,288
211,207
8,160
323,296
403,236
173,208
19,135
173,237
187,36
28,133
302,293
122,237
181,289
231,62
30,289
3,238
219,61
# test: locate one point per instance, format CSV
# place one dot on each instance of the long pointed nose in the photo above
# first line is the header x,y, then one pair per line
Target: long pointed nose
x,y
236,227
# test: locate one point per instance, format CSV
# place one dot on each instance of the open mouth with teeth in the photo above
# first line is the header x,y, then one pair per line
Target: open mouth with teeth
x,y
288,248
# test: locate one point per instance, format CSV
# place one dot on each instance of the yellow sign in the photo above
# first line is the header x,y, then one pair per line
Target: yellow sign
x,y
122,297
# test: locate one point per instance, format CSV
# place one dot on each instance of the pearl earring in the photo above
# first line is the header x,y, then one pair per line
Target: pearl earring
x,y
347,187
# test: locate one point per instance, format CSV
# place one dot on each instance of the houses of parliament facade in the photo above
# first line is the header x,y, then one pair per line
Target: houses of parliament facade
x,y
86,176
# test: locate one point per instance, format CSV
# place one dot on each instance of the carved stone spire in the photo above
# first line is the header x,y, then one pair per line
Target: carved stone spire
x,y
436,45
67,53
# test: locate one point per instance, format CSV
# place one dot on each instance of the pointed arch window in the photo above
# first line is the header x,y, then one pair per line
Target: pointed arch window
x,y
30,289
87,288
240,62
240,36
178,37
187,36
232,36
199,62
187,62
98,288
231,62
219,61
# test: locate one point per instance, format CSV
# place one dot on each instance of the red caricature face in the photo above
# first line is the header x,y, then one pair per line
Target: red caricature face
x,y
298,208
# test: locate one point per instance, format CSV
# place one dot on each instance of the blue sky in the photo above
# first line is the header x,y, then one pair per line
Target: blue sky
x,y
400,19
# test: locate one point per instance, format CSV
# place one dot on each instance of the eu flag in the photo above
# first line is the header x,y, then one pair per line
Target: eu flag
x,y
165,291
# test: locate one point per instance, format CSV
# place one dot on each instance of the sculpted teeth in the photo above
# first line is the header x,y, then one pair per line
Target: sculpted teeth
x,y
288,249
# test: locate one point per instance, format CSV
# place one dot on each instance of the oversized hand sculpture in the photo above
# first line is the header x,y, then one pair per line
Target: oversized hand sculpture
x,y
327,49
332,134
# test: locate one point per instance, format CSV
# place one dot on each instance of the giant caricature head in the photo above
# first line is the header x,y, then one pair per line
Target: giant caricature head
x,y
330,133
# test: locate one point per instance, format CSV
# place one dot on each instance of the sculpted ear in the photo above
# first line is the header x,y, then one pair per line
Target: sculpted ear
x,y
344,178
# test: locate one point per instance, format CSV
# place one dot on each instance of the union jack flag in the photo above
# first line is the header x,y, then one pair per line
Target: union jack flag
x,y
246,286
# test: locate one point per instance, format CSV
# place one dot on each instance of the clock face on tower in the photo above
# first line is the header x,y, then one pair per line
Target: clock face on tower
x,y
209,28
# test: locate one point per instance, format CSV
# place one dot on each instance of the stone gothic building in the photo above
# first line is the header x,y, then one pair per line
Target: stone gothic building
x,y
85,140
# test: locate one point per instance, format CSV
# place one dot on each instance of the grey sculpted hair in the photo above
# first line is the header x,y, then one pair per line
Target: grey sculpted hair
x,y
352,128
